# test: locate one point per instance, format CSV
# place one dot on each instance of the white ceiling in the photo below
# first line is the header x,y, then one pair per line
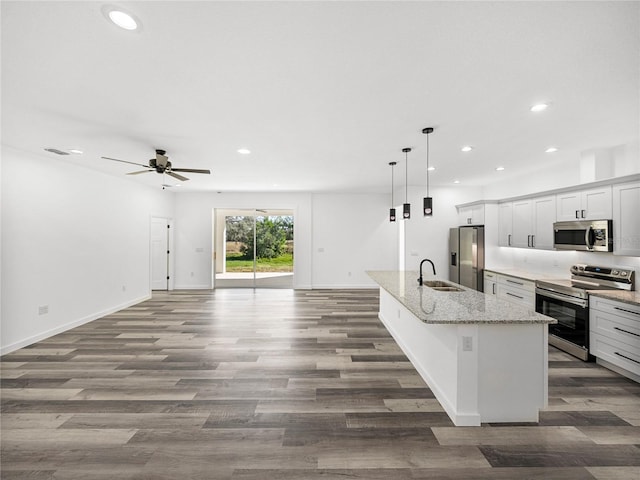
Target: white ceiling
x,y
325,94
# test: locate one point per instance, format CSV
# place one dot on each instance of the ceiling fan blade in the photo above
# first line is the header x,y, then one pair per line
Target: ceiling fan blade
x,y
125,161
175,175
190,170
141,171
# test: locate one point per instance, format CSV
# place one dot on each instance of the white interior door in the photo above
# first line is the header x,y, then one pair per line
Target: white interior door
x,y
159,254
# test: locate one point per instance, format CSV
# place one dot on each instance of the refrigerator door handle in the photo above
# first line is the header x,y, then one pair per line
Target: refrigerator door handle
x,y
454,259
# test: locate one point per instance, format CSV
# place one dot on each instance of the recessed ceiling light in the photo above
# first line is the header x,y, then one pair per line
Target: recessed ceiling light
x,y
456,181
75,151
551,150
244,151
467,148
499,169
539,107
431,169
122,19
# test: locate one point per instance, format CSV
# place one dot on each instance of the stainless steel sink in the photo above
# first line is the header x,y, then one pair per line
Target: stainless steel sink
x,y
447,289
441,286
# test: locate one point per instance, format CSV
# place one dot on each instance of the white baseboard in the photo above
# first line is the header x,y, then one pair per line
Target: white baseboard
x,y
67,326
333,286
192,287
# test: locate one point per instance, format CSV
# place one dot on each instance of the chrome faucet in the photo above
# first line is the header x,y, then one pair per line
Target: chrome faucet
x,y
432,266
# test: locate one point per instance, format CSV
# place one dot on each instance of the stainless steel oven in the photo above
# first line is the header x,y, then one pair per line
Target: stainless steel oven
x,y
571,333
568,302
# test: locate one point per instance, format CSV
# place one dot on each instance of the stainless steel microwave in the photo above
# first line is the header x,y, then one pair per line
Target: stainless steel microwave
x,y
586,235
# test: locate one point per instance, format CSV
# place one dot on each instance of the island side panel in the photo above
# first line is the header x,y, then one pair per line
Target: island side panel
x,y
433,349
513,372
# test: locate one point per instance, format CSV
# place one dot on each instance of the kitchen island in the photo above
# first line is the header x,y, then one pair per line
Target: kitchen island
x,y
484,359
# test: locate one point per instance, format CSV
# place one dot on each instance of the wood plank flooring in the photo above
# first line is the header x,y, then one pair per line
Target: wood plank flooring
x,y
273,384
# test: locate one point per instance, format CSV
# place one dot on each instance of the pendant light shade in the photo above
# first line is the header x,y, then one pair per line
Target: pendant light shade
x,y
427,202
406,207
392,210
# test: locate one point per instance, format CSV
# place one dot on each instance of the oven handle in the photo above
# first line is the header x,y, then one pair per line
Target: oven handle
x,y
572,300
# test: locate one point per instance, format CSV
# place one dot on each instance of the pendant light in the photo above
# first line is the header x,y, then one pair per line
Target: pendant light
x,y
406,207
392,210
427,202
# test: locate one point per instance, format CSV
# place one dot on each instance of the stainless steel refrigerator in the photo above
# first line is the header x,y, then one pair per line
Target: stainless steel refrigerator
x,y
466,257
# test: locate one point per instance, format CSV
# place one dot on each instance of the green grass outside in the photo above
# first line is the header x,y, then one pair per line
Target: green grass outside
x,y
237,263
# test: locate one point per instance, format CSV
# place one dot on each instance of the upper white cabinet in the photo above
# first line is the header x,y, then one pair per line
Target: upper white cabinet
x,y
522,223
544,214
527,223
626,219
471,215
505,224
593,204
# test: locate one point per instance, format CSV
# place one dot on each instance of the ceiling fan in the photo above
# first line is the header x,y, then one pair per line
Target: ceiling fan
x,y
161,164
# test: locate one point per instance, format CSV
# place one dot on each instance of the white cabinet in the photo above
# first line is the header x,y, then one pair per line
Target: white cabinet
x,y
522,223
490,282
594,204
531,223
471,215
614,329
626,219
544,214
505,224
517,291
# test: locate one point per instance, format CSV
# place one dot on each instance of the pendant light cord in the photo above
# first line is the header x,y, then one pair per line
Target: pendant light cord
x,y
406,177
427,165
392,165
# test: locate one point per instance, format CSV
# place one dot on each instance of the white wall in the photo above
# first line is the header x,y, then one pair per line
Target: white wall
x,y
334,234
351,234
73,239
428,237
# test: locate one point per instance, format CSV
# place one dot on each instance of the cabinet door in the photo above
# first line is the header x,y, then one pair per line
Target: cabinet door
x,y
596,204
490,280
626,219
522,224
464,216
568,206
477,215
544,214
505,224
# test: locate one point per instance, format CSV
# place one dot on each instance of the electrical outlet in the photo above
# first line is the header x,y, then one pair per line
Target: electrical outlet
x,y
43,309
192,274
124,288
349,274
467,344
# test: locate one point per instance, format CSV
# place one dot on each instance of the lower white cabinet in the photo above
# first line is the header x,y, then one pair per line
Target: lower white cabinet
x,y
614,329
490,282
516,290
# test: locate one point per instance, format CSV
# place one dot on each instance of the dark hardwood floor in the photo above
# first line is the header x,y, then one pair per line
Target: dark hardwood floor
x,y
273,384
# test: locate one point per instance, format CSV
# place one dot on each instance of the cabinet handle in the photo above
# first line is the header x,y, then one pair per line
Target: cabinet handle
x,y
577,213
533,241
509,239
494,288
582,213
528,240
627,311
517,296
628,358
626,331
517,283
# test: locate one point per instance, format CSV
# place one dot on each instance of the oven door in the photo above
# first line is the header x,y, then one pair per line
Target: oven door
x,y
571,333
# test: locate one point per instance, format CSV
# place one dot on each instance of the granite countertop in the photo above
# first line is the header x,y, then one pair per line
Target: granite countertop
x,y
624,296
467,306
522,274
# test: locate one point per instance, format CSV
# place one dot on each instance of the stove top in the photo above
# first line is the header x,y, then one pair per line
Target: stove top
x,y
590,277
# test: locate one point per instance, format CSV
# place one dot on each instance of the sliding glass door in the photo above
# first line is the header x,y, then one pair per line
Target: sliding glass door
x,y
254,249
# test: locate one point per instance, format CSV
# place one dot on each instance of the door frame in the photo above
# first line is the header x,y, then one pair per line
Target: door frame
x,y
170,255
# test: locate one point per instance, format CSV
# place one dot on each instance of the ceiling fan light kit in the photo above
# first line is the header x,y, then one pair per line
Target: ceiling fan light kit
x,y
162,165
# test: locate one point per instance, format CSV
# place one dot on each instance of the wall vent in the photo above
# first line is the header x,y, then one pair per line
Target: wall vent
x,y
56,151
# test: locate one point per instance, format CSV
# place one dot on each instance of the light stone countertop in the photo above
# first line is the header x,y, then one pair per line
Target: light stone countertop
x,y
632,298
523,274
465,307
